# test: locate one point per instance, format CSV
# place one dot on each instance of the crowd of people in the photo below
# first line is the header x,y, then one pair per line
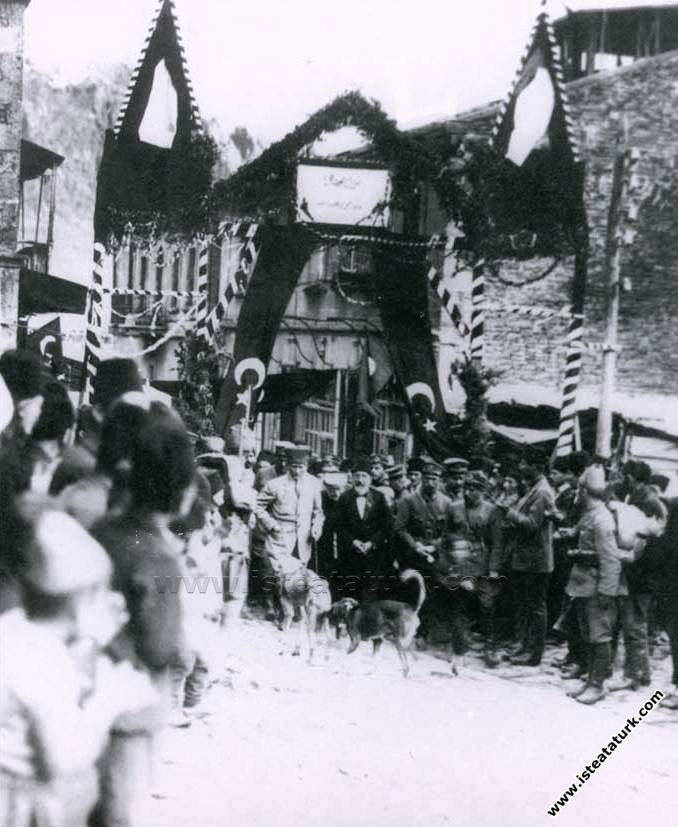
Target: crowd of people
x,y
111,517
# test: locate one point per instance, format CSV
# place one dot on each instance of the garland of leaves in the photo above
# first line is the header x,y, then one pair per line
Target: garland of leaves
x,y
199,369
186,211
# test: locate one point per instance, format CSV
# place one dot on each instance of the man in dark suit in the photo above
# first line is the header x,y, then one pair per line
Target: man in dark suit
x,y
363,529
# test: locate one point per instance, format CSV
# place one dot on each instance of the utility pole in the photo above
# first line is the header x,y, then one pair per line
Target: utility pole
x,y
624,161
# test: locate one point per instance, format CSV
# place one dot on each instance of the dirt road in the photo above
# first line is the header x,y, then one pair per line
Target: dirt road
x,y
349,743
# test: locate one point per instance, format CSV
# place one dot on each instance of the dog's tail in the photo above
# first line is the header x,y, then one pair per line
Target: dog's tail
x,y
413,576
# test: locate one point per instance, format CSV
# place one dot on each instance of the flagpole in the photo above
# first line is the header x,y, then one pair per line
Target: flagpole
x,y
620,186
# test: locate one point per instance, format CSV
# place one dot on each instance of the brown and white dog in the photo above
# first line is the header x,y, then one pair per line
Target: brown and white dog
x,y
301,590
392,620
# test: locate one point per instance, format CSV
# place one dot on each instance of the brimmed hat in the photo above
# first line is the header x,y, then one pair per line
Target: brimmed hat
x,y
114,378
335,478
455,464
593,481
330,461
363,464
395,472
476,479
415,464
378,459
298,453
432,469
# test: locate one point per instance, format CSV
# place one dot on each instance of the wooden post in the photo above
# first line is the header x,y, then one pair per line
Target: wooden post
x,y
620,186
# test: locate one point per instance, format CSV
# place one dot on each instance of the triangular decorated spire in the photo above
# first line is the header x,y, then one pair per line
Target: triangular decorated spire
x,y
163,43
536,112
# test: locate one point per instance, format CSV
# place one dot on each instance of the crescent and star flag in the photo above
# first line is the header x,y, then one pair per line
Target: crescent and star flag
x,y
282,255
402,295
542,181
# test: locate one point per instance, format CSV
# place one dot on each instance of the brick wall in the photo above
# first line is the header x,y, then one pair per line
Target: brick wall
x,y
646,95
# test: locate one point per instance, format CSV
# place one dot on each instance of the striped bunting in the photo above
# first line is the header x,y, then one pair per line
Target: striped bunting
x,y
448,302
94,322
247,233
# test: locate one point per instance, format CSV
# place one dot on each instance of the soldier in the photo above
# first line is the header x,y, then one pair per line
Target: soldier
x,y
378,465
597,577
415,466
420,522
470,562
400,484
455,472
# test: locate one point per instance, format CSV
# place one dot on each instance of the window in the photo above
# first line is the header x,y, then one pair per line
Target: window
x,y
316,426
355,259
390,430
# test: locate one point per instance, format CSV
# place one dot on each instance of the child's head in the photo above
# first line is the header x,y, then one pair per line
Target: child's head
x,y
65,574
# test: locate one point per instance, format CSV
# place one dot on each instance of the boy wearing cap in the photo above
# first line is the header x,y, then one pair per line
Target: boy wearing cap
x,y
289,508
58,694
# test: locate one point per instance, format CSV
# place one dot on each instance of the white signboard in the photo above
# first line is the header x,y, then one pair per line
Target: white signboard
x,y
343,195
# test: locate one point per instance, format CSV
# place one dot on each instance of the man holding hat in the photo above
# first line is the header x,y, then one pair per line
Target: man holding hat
x,y
455,472
289,508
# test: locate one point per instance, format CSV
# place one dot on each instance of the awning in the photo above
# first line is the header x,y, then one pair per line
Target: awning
x,y
36,160
284,391
525,436
42,293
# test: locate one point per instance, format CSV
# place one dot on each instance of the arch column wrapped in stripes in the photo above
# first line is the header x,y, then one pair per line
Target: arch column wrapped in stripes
x,y
477,343
568,408
203,286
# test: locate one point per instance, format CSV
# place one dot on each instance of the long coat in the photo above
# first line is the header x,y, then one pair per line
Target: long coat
x,y
421,519
295,508
530,529
603,574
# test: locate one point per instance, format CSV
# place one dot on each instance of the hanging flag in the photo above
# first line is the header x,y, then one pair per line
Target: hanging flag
x,y
541,184
402,295
366,387
283,252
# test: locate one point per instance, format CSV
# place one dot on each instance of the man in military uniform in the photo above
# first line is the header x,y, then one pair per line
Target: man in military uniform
x,y
597,577
455,473
420,523
378,465
470,560
415,467
400,484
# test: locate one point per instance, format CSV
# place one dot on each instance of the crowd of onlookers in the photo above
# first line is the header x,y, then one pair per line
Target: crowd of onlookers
x,y
127,544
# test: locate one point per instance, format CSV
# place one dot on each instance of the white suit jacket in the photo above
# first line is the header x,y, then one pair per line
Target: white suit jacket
x,y
297,513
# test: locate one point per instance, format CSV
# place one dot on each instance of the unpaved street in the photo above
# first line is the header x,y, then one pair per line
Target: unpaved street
x,y
348,742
